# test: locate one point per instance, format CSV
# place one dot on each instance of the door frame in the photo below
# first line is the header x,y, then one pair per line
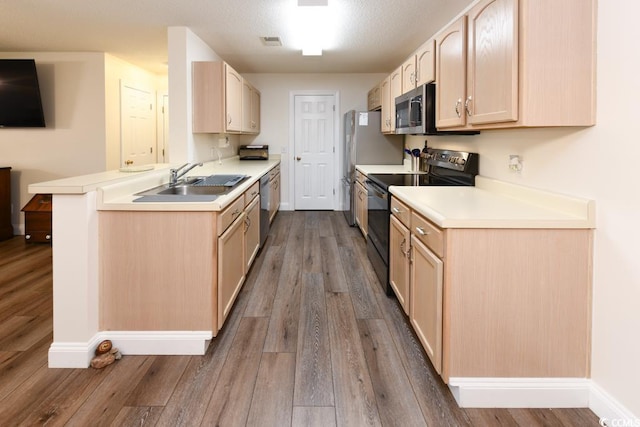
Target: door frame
x,y
289,205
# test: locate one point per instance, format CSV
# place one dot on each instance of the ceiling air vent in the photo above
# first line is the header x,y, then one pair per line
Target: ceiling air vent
x,y
271,41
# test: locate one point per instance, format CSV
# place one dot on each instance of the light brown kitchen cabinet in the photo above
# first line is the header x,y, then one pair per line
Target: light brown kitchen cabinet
x,y
517,63
385,107
251,232
408,74
231,261
274,192
495,302
374,100
164,271
425,312
219,100
399,261
361,202
250,108
426,63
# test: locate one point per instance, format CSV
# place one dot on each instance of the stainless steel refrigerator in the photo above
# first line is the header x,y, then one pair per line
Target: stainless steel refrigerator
x,y
364,144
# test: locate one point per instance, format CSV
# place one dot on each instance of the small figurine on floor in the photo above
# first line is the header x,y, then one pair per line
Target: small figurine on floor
x,y
106,354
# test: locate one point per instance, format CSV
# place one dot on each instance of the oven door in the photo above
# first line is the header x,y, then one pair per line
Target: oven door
x,y
378,231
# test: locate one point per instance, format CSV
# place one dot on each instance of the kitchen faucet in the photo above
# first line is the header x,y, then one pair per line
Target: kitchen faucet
x,y
174,176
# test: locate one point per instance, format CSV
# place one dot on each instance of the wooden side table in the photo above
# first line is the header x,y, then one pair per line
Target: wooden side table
x,y
37,219
6,230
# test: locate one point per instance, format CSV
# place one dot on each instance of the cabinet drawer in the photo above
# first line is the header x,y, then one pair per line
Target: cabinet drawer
x,y
273,172
428,234
230,214
401,211
251,193
361,178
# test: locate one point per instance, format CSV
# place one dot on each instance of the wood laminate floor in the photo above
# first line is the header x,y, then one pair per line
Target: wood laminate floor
x,y
312,341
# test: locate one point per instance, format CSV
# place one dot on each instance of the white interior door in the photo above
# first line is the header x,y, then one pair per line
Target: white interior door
x,y
163,149
137,125
314,152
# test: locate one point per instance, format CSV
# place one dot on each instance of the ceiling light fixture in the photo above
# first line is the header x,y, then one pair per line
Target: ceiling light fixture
x,y
311,51
313,2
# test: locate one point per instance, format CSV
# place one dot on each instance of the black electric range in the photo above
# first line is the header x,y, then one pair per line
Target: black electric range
x,y
445,168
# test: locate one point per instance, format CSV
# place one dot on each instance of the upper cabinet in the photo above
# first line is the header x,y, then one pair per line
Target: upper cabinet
x,y
408,74
219,101
374,98
250,108
390,88
426,63
517,63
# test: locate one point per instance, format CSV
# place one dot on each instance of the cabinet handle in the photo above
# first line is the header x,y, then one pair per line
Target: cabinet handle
x,y
458,103
402,248
421,231
229,119
247,224
234,213
467,103
396,210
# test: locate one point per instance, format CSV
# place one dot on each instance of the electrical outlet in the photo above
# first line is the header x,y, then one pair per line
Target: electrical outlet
x,y
515,163
223,142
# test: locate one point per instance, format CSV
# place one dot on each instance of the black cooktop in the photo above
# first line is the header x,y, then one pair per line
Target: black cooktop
x,y
446,167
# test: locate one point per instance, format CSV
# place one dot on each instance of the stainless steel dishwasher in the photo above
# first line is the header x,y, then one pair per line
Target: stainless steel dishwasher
x,y
264,208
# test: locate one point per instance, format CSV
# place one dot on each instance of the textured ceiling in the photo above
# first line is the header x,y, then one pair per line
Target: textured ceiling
x,y
362,35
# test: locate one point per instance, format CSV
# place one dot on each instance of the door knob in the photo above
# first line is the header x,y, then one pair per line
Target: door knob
x,y
298,158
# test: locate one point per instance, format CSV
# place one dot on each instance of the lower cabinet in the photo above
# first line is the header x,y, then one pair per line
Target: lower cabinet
x,y
494,302
175,271
274,192
361,207
231,266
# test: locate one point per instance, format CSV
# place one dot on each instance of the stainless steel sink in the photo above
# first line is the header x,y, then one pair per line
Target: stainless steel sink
x,y
190,189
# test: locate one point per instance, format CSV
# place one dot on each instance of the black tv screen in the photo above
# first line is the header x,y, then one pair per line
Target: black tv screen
x,y
20,103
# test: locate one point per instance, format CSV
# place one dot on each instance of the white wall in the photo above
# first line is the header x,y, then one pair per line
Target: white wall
x,y
274,114
117,70
599,163
73,142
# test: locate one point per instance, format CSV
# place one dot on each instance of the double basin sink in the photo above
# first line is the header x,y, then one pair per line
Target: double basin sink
x,y
192,189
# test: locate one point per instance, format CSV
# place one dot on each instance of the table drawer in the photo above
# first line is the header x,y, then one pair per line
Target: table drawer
x,y
401,211
428,234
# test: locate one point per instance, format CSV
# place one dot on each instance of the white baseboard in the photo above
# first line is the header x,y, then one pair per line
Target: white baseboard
x,y
521,392
610,411
79,354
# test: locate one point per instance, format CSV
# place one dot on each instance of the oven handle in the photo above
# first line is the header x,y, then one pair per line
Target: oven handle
x,y
377,190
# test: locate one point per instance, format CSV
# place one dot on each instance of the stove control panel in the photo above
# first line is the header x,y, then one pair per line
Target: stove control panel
x,y
456,160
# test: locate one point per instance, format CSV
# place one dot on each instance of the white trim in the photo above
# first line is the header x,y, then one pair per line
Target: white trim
x,y
521,392
79,354
291,203
609,409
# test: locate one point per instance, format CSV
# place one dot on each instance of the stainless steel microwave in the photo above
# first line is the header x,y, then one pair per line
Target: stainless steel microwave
x,y
416,113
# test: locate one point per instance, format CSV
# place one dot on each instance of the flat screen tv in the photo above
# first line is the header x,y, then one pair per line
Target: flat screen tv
x,y
20,103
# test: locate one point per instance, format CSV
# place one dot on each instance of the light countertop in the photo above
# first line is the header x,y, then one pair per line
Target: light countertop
x,y
120,196
496,204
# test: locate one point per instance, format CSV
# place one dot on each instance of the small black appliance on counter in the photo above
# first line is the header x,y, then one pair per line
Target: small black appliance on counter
x,y
254,152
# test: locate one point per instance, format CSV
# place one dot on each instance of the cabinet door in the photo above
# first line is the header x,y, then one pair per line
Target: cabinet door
x,y
426,63
426,300
255,111
408,74
274,195
385,96
361,207
231,270
251,233
399,242
247,91
395,89
451,75
233,99
492,62
373,99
